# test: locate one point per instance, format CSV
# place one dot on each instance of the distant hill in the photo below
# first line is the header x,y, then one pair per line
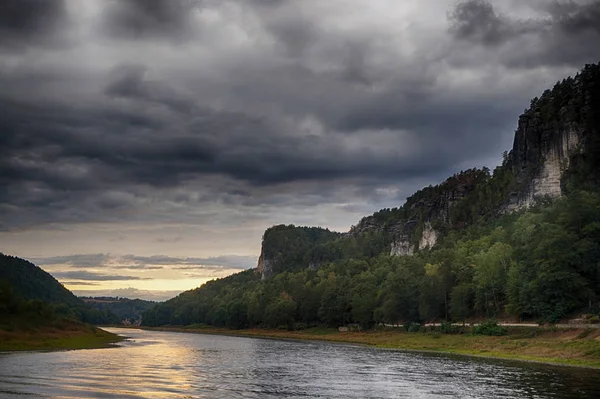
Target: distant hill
x,y
129,311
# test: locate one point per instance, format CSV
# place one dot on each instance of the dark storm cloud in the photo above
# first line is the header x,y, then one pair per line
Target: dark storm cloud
x,y
476,20
58,154
566,33
90,276
50,164
575,19
128,81
150,19
296,32
31,22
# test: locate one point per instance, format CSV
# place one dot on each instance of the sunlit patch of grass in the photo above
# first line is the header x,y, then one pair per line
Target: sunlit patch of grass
x,y
55,334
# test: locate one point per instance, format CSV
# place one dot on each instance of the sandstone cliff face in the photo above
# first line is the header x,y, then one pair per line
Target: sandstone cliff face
x,y
402,247
265,266
429,237
541,155
557,137
401,233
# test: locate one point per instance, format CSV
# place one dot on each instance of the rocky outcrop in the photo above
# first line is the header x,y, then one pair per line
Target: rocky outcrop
x,y
541,155
265,266
429,237
411,227
289,248
557,141
402,247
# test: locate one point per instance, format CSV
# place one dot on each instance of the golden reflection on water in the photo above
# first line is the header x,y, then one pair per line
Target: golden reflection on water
x,y
152,366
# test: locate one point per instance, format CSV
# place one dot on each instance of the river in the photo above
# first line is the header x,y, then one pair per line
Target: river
x,y
155,364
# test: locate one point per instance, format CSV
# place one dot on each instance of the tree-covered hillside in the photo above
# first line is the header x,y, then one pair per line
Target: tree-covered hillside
x,y
31,282
27,283
540,264
522,241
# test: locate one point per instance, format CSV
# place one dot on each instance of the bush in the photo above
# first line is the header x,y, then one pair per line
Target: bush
x,y
301,326
584,333
446,328
412,327
490,327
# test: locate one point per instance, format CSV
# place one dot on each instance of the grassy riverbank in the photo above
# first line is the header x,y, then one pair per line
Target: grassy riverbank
x,y
52,335
576,347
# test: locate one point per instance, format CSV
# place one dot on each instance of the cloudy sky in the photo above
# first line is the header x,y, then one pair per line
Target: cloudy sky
x,y
145,145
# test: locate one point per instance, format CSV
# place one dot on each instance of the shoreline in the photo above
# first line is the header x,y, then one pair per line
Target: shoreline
x,y
85,337
573,348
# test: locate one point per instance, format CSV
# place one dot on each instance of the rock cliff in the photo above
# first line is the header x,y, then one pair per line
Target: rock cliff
x,y
541,155
557,140
424,217
289,247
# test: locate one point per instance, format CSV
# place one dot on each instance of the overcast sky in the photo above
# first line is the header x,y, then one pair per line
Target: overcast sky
x,y
145,145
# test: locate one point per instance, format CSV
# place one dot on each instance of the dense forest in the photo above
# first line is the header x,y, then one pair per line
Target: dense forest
x,y
493,256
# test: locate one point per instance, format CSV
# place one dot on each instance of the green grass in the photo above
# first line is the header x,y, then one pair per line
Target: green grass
x,y
27,332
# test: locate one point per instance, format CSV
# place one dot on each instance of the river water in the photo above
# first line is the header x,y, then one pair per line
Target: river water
x,y
175,365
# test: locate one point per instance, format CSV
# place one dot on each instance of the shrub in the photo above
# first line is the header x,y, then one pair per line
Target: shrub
x,y
412,327
490,327
301,326
584,333
446,328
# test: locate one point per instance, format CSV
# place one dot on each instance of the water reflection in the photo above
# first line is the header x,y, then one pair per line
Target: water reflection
x,y
172,365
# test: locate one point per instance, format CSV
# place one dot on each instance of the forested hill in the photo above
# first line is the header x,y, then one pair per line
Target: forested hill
x,y
522,240
23,283
28,281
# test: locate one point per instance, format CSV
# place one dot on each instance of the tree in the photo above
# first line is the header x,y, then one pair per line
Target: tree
x,y
364,299
281,312
237,315
491,268
460,301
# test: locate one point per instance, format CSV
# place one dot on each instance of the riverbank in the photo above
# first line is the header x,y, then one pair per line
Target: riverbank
x,y
573,347
61,334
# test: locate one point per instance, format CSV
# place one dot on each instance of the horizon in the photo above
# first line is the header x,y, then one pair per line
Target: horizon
x,y
148,145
